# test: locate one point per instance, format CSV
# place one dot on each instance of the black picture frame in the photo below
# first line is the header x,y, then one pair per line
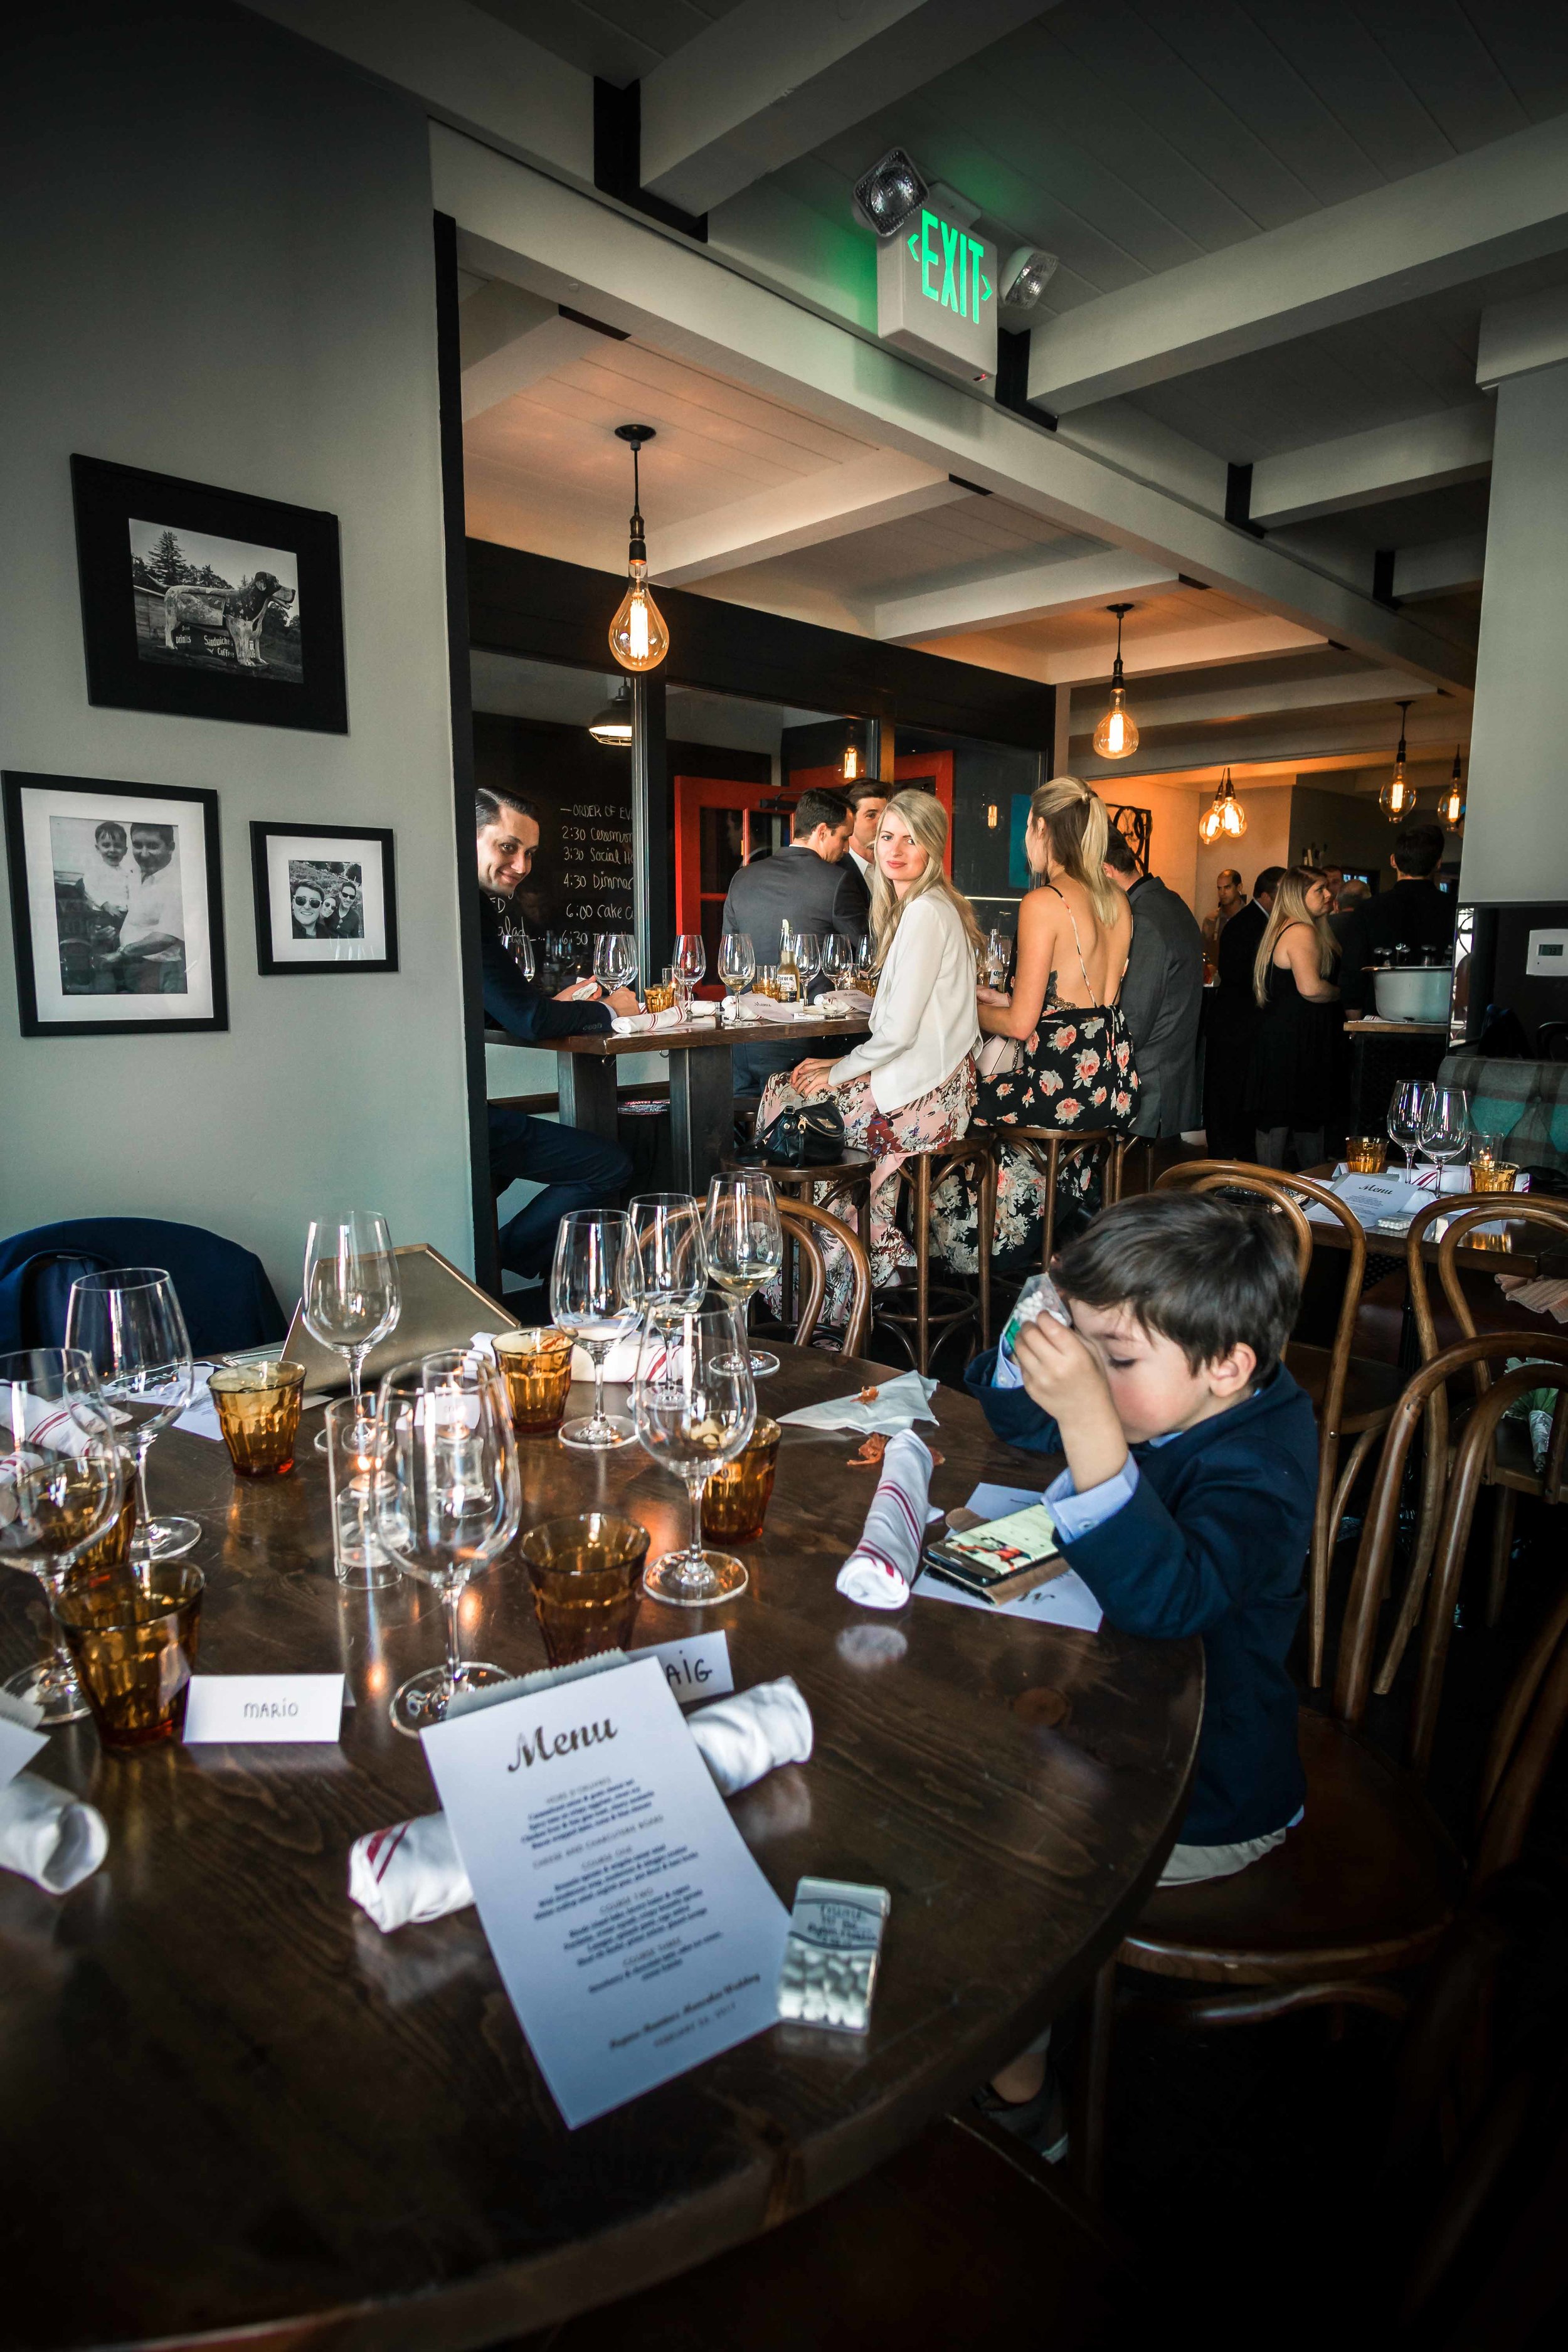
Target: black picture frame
x,y
283,667
332,960
34,922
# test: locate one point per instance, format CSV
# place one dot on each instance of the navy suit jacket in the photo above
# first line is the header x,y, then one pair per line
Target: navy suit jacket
x,y
1212,1542
522,1007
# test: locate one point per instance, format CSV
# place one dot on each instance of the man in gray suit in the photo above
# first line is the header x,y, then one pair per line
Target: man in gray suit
x,y
813,888
1161,995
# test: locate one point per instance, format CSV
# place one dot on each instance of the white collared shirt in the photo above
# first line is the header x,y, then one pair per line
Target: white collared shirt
x,y
155,907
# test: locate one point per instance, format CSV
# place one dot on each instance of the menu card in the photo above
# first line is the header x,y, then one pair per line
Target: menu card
x,y
634,1933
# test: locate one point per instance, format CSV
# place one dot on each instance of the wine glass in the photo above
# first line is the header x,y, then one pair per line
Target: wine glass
x,y
669,1261
621,960
807,960
837,960
592,1297
998,953
62,1476
690,963
1444,1131
351,1298
745,1247
1404,1120
737,969
127,1323
696,1409
447,1503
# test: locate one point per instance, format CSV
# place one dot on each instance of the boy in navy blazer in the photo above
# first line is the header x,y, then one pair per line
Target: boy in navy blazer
x,y
1186,1503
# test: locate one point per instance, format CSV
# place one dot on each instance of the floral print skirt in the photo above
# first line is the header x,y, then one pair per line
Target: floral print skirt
x,y
1076,1072
928,1124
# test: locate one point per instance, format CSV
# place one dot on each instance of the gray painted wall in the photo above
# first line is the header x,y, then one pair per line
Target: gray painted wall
x,y
219,263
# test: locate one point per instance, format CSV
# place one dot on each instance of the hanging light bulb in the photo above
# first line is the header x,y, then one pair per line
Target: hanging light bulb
x,y
1451,807
638,638
1224,819
1397,797
612,726
1117,733
849,766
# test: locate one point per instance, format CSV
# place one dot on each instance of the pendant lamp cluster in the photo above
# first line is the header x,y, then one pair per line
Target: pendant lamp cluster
x,y
1117,734
1224,819
1397,798
638,637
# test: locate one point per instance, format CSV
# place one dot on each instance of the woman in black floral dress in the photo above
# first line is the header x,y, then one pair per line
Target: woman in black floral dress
x,y
1067,1059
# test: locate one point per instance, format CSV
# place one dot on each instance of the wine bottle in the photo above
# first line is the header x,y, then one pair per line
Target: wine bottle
x,y
789,971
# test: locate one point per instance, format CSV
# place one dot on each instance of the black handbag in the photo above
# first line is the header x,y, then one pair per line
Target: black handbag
x,y
811,1135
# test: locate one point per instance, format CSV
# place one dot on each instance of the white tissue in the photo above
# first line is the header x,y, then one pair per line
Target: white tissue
x,y
48,1836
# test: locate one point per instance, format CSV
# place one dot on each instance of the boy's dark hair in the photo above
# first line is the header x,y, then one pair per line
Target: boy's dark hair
x,y
1204,1271
819,807
1418,850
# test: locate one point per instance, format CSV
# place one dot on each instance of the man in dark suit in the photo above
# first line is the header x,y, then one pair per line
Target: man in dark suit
x,y
1161,994
1229,1020
577,1170
1415,914
813,888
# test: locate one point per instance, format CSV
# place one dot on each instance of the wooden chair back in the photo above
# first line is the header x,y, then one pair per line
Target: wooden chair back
x,y
1465,1211
1052,1150
807,1227
1266,1184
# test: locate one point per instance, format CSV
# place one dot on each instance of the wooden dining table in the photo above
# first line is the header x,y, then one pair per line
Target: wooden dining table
x,y
237,2113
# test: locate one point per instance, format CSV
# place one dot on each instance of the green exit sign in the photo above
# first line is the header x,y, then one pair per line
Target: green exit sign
x,y
936,294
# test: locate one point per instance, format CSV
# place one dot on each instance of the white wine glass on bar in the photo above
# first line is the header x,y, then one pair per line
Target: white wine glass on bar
x,y
690,965
128,1324
1404,1120
745,1248
352,1299
737,969
696,1409
593,1296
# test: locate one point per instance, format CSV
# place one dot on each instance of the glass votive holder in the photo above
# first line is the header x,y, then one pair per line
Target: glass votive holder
x,y
659,996
1364,1155
135,1647
735,1499
357,1448
584,1570
536,1366
259,1413
1494,1176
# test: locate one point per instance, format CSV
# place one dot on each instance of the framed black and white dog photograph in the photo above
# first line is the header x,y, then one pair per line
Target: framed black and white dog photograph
x,y
117,906
326,898
206,602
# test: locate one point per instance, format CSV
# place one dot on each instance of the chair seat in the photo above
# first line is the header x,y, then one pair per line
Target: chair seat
x,y
1371,1390
1365,1884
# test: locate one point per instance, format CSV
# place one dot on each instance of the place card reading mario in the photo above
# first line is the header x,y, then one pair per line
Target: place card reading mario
x,y
246,1708
634,1933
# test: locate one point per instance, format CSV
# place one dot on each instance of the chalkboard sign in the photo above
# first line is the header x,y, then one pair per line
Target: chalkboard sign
x,y
582,877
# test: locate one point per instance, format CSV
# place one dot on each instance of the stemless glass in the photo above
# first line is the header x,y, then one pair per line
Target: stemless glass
x,y
128,1324
1404,1120
61,1478
592,1296
670,1262
745,1247
690,963
807,960
1444,1131
449,1504
737,969
694,1408
351,1298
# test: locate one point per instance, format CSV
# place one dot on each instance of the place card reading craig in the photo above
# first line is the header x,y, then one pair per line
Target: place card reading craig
x,y
254,1708
696,1669
634,1933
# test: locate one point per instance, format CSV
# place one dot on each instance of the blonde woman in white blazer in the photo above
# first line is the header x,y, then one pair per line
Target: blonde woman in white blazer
x,y
910,1086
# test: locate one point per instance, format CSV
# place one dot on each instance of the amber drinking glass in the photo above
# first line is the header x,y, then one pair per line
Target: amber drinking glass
x,y
536,1368
259,1413
1364,1155
134,1641
1497,1176
585,1570
735,1499
659,996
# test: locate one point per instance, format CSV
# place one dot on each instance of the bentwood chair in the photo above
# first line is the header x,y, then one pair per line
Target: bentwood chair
x,y
806,1231
921,1314
1352,1396
1511,1471
1365,1886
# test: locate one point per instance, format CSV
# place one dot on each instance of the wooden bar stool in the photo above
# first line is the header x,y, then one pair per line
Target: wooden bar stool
x,y
1052,1150
843,1187
920,1315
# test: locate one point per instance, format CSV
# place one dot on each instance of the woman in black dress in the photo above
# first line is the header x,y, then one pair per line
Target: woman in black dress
x,y
1295,1081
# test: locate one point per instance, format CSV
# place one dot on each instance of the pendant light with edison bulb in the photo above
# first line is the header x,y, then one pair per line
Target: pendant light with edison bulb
x,y
1117,733
1397,798
638,637
1224,819
1451,807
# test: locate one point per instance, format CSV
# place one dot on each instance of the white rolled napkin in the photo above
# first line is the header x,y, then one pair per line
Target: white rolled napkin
x,y
768,1008
413,1871
48,1836
636,1024
898,1403
620,1364
882,1568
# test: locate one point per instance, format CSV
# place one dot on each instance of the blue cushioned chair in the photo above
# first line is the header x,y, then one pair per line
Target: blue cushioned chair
x,y
223,1289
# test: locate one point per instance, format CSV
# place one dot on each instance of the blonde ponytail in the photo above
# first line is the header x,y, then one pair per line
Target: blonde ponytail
x,y
1079,829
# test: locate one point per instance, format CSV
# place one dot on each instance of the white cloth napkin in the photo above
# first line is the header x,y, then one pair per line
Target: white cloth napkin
x,y
413,1871
881,1570
897,1404
636,1024
620,1364
768,1008
48,1836
843,1000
